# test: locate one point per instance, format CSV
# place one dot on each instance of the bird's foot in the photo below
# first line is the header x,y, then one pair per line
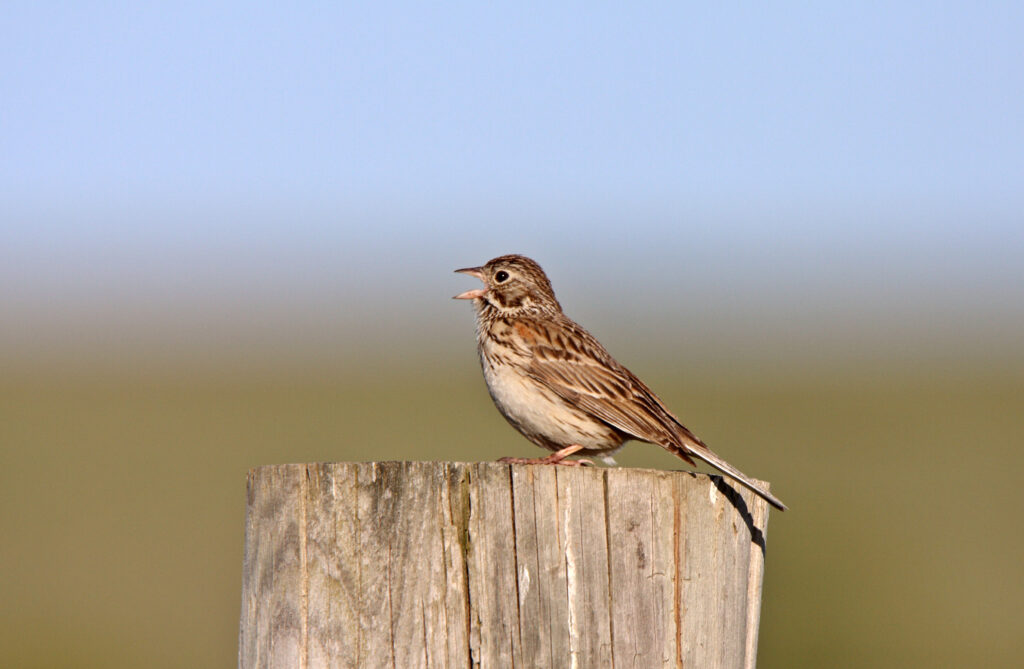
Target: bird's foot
x,y
556,458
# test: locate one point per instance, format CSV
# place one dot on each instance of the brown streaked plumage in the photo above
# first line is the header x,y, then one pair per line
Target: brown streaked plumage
x,y
558,386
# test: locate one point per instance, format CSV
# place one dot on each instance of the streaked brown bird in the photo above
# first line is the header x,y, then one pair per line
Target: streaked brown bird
x,y
558,386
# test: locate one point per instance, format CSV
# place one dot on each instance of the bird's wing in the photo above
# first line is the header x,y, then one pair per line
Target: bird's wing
x,y
569,361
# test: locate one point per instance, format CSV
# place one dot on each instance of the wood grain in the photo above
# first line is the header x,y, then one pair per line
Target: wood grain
x,y
438,564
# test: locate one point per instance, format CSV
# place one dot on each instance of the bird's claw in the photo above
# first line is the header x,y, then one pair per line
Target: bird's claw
x,y
582,462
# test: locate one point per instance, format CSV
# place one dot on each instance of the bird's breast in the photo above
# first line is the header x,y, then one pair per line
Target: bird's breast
x,y
537,411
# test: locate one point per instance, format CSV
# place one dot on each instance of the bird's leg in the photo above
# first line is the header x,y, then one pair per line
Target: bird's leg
x,y
556,458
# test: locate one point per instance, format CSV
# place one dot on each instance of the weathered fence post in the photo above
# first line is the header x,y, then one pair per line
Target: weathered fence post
x,y
441,564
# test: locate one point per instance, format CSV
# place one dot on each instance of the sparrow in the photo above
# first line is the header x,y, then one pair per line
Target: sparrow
x,y
558,386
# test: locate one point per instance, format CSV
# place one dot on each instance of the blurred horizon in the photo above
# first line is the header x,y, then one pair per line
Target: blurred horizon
x,y
102,288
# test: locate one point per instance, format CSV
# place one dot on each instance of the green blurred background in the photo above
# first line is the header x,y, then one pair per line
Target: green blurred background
x,y
227,233
124,494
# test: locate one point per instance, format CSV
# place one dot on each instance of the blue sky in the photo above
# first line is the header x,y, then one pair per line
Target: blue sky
x,y
760,151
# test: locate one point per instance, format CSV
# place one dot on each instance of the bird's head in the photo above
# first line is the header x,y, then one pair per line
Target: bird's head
x,y
513,285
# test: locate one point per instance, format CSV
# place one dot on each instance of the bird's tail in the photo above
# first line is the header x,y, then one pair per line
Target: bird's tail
x,y
698,450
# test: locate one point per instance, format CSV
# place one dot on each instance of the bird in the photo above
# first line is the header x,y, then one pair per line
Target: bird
x,y
558,386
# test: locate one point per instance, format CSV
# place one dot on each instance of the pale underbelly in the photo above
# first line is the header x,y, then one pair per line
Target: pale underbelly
x,y
543,417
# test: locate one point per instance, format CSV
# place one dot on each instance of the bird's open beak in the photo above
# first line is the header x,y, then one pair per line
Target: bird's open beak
x,y
478,272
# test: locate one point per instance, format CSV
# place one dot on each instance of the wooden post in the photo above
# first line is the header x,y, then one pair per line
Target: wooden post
x,y
441,564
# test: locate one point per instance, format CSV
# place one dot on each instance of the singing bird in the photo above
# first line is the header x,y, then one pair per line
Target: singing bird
x,y
558,386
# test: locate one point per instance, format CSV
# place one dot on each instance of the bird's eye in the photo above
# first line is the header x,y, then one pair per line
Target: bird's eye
x,y
501,276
